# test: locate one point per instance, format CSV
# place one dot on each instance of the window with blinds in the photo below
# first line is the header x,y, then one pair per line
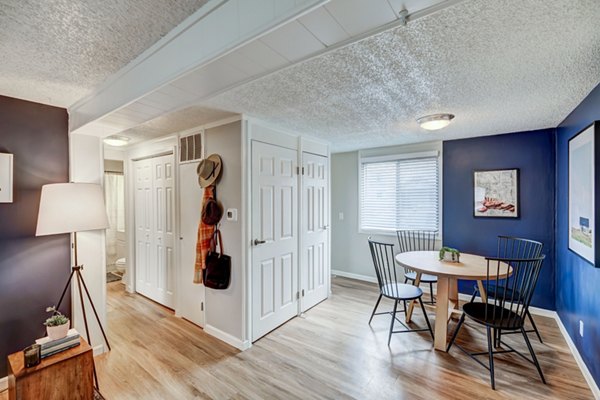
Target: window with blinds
x,y
400,192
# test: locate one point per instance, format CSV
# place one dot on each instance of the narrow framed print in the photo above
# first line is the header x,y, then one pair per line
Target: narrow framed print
x,y
6,178
496,193
583,169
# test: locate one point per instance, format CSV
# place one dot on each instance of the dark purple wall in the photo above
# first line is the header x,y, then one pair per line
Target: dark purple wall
x,y
578,282
33,270
531,152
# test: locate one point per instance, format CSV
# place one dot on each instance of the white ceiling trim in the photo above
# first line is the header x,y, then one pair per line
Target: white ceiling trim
x,y
185,49
219,67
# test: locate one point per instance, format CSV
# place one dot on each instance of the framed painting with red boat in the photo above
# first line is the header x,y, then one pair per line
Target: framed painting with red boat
x,y
496,193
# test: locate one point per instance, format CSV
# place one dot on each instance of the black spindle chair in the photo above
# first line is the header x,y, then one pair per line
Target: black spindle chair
x,y
387,277
504,312
415,240
513,247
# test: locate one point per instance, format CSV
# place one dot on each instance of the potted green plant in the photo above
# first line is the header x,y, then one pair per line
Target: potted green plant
x,y
57,326
449,254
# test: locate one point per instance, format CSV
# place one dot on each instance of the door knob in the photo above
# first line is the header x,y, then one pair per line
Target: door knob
x,y
257,242
325,227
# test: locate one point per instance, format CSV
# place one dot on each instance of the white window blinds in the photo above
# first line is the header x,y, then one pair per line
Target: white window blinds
x,y
399,193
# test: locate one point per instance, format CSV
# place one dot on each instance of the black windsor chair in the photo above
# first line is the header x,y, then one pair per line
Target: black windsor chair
x,y
506,311
387,277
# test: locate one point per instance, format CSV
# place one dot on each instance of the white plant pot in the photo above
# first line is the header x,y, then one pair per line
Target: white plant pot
x,y
58,332
451,257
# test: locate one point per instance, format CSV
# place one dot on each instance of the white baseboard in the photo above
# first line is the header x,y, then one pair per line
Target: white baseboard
x,y
534,310
582,367
227,338
350,275
99,349
3,384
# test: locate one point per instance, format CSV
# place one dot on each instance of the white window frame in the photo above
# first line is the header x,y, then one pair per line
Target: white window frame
x,y
394,157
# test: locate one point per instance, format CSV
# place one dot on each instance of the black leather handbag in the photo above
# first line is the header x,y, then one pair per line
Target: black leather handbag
x,y
217,273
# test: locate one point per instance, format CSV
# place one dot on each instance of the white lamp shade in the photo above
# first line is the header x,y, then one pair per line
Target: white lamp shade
x,y
71,207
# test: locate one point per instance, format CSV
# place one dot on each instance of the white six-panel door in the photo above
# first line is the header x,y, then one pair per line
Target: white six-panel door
x,y
154,221
315,238
274,270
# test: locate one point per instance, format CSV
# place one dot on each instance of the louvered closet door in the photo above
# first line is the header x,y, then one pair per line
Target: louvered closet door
x,y
154,220
315,239
275,237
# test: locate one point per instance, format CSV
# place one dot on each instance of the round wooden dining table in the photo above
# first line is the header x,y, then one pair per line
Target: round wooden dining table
x,y
471,267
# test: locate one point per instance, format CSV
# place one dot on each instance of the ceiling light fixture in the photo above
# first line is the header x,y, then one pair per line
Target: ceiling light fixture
x,y
435,121
115,140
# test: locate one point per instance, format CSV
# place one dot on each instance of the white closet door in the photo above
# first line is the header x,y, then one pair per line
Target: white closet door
x,y
164,213
275,238
144,226
191,295
154,214
315,267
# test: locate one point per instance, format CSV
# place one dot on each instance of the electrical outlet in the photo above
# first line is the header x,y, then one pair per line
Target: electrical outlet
x,y
341,216
581,328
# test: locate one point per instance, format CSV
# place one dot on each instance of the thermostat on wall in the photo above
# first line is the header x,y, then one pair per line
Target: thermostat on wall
x,y
231,214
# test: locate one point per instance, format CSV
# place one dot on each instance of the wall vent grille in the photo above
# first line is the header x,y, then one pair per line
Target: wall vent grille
x,y
190,148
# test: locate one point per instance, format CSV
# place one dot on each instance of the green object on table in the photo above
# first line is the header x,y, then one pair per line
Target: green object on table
x,y
455,253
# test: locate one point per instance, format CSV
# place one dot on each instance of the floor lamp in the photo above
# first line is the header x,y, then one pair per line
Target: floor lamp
x,y
72,208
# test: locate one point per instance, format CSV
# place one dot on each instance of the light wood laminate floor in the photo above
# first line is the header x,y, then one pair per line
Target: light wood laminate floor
x,y
331,354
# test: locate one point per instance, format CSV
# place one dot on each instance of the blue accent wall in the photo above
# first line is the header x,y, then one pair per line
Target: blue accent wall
x,y
578,282
534,154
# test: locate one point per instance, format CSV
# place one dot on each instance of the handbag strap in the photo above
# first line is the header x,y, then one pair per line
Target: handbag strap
x,y
216,238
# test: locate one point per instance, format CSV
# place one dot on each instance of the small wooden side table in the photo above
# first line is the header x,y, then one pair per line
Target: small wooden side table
x,y
65,375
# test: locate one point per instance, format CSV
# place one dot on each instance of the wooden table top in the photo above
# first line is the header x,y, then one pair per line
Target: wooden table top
x,y
471,266
17,362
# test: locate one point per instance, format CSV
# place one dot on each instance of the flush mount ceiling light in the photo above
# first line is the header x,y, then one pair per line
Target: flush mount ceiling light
x,y
115,140
435,121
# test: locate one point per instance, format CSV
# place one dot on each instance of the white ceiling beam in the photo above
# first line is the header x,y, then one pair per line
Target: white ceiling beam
x,y
215,30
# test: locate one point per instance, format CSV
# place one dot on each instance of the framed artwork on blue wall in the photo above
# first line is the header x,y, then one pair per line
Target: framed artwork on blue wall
x,y
583,170
496,193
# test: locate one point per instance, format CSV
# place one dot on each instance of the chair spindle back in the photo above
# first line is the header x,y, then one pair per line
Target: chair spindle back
x,y
415,240
512,296
385,267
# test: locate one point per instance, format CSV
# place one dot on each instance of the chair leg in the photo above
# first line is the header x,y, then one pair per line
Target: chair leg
x,y
491,356
474,295
405,280
392,323
431,292
460,322
535,360
534,327
426,318
375,309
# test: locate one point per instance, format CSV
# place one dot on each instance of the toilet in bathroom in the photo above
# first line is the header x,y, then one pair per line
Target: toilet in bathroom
x,y
121,265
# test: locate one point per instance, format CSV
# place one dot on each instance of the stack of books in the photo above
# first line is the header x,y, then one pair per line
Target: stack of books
x,y
50,347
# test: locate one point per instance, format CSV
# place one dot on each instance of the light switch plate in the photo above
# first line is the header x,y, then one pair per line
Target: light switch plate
x,y
6,178
231,214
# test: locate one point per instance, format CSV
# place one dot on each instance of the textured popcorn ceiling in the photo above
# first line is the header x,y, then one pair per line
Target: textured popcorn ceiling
x,y
56,52
499,66
177,121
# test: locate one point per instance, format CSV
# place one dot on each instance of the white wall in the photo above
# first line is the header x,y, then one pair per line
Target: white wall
x,y
87,165
349,249
225,308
